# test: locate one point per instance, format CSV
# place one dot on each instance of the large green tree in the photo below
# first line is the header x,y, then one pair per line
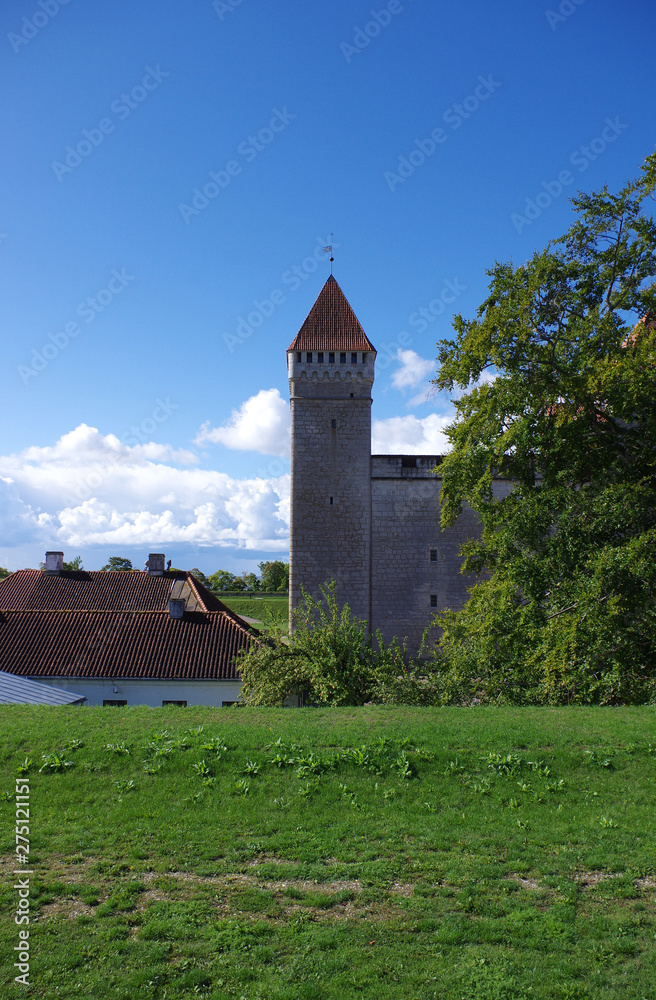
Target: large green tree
x,y
117,564
275,576
559,376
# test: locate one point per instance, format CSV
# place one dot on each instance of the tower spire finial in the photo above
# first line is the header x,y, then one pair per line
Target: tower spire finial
x,y
329,249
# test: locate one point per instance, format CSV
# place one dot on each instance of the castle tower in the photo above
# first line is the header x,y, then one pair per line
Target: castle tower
x,y
330,364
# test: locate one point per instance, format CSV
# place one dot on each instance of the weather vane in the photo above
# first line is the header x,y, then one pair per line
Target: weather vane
x,y
329,249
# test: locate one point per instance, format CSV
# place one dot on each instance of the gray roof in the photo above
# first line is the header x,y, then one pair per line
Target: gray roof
x,y
21,691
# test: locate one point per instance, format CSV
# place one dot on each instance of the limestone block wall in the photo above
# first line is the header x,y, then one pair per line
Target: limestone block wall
x,y
412,558
330,515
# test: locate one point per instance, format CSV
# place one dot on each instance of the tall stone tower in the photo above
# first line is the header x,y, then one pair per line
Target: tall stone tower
x,y
330,364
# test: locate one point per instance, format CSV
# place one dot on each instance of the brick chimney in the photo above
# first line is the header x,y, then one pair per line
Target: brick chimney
x,y
54,563
155,564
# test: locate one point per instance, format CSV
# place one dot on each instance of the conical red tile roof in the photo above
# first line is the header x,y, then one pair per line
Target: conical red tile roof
x,y
331,324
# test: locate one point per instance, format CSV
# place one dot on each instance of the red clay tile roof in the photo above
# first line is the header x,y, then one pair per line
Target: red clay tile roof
x,y
100,624
79,590
331,325
114,644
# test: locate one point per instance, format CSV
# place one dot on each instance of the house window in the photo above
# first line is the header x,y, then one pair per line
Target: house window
x,y
433,555
180,704
308,358
408,462
433,603
110,702
331,358
354,359
342,358
320,357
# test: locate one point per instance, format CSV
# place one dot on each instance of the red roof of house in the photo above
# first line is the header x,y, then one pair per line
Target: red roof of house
x,y
113,644
79,590
116,624
331,324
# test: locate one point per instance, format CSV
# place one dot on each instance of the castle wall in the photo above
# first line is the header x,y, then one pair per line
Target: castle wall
x,y
405,530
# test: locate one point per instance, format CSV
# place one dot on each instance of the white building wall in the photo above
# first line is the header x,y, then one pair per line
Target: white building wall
x,y
147,692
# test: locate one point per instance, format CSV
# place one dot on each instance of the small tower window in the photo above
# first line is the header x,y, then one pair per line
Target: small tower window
x,y
331,358
320,357
433,555
342,358
308,358
354,359
331,501
298,356
333,423
433,600
364,359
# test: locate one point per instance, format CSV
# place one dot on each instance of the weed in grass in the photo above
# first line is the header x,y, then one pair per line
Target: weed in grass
x,y
201,768
309,788
251,768
54,762
215,745
241,786
24,769
72,744
595,759
453,768
124,787
607,822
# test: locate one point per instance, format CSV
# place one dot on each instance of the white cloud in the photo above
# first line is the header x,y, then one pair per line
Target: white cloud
x,y
413,371
411,436
260,424
90,489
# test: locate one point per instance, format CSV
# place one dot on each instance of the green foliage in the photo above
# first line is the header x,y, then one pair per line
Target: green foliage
x,y
330,658
565,607
275,576
74,565
223,580
116,564
200,576
4,572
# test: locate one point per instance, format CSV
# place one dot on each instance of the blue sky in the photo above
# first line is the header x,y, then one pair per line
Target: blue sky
x,y
168,166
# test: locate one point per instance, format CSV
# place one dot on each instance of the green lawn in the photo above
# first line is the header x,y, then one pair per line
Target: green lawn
x,y
265,609
486,854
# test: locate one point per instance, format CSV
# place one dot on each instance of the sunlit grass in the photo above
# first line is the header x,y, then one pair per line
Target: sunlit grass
x,y
343,853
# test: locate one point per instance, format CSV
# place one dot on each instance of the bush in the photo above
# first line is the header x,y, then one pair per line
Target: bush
x,y
330,659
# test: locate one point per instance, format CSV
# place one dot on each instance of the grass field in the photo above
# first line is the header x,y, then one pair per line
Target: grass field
x,y
265,609
485,854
